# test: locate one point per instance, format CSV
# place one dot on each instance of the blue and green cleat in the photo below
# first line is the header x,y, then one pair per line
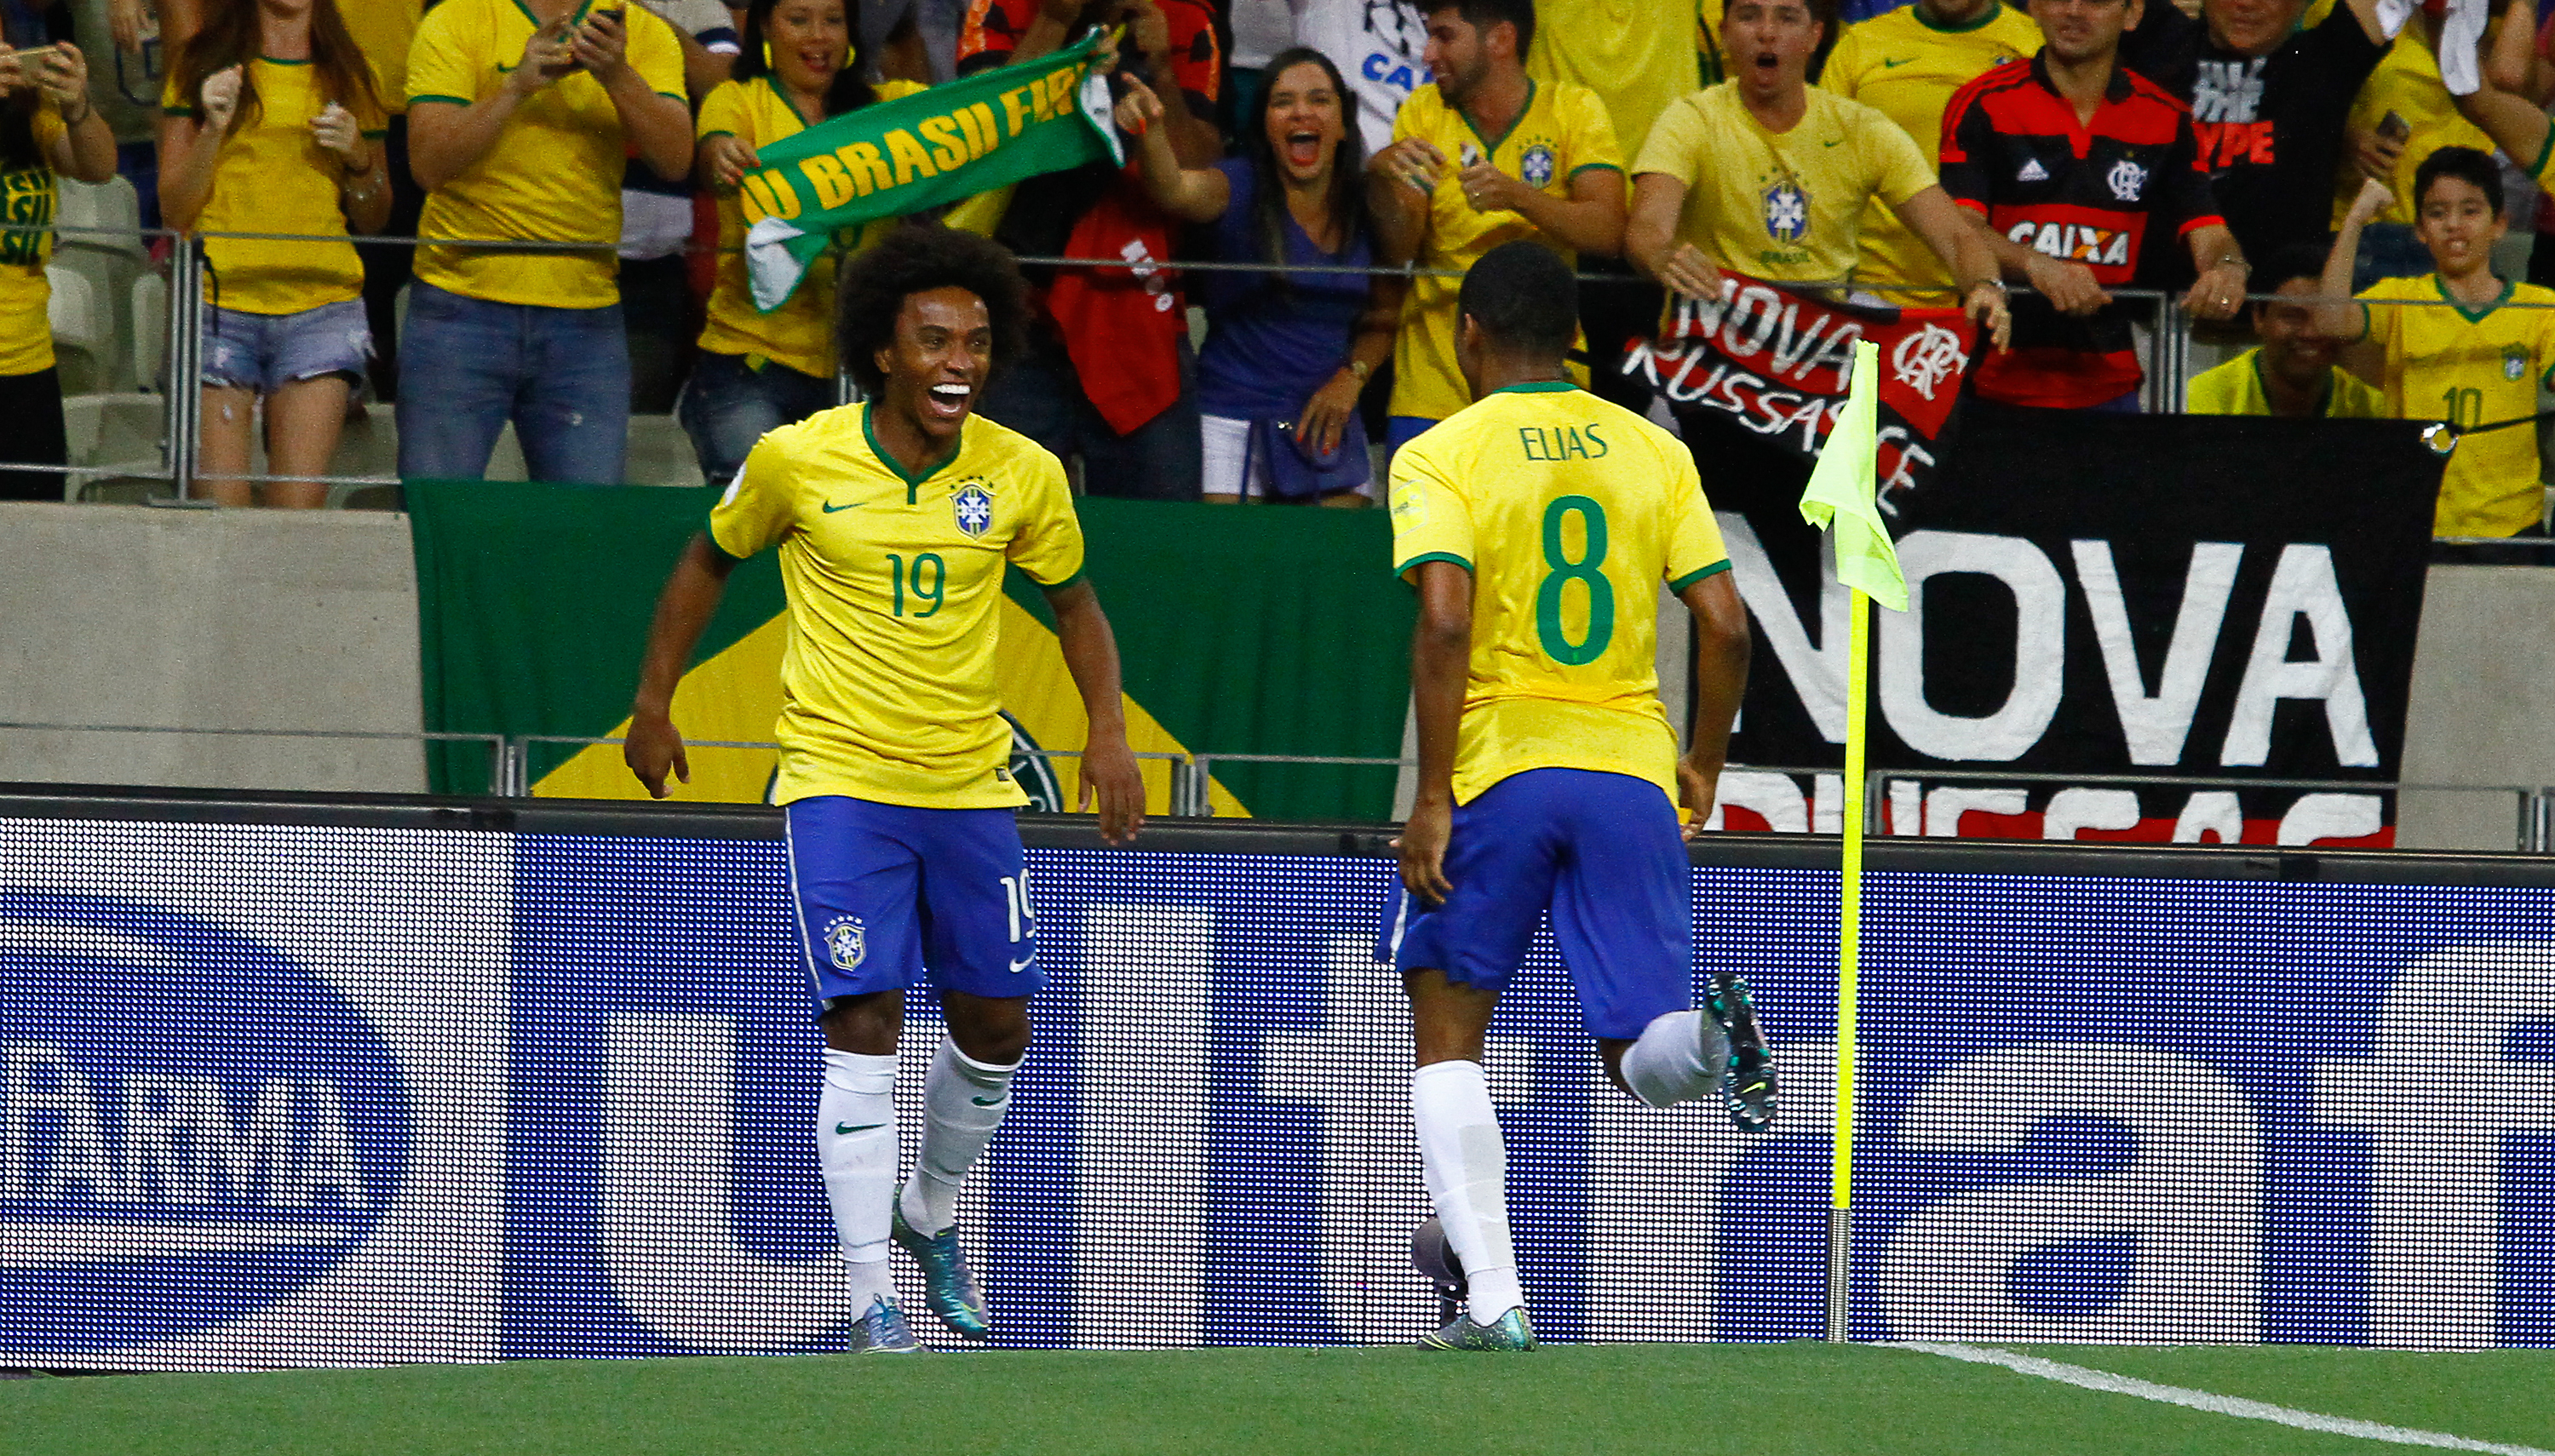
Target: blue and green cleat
x,y
1509,1333
881,1330
948,1288
1748,1086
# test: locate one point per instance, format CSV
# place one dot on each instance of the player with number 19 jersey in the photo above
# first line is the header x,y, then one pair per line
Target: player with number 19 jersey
x,y
1569,511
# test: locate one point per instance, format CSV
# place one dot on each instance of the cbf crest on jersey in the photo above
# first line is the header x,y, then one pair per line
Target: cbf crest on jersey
x,y
2515,361
1788,212
1536,167
847,942
974,507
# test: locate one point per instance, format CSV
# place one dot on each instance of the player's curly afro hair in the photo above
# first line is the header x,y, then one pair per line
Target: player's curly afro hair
x,y
916,259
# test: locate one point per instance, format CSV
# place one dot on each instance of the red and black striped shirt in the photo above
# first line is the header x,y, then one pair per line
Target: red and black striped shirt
x,y
2115,194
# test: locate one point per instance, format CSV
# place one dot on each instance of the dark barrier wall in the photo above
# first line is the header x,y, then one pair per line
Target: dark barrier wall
x,y
327,1082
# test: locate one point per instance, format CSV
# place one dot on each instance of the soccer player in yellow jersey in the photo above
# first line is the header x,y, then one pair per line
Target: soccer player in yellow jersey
x,y
896,521
2447,347
1905,64
1538,525
1484,156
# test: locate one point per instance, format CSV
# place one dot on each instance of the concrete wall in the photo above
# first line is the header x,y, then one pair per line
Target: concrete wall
x,y
137,615
238,618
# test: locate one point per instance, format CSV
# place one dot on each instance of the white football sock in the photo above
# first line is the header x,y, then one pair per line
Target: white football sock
x,y
1466,1166
856,1150
1678,1058
963,1101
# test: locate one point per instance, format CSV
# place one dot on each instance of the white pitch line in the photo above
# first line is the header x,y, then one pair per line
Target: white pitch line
x,y
2213,1404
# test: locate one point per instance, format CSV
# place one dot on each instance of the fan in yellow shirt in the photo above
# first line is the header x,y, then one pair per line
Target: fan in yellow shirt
x,y
759,371
1483,157
2448,346
896,521
1906,64
2292,374
1539,526
270,124
520,113
58,135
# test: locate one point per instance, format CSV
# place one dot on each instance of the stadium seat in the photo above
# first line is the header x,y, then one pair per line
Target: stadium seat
x,y
150,297
661,454
111,203
117,433
83,329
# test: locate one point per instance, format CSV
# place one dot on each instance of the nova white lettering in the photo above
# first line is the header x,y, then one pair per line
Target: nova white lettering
x,y
2302,585
2155,725
2040,648
1815,671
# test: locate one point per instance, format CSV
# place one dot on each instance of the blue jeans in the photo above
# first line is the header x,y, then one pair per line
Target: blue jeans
x,y
563,375
1042,397
727,407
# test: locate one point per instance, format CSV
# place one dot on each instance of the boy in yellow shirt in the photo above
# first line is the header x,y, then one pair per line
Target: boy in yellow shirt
x,y
2448,346
520,113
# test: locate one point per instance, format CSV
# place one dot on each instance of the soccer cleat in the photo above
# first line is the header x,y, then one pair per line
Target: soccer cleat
x,y
881,1330
1509,1333
948,1290
1748,1085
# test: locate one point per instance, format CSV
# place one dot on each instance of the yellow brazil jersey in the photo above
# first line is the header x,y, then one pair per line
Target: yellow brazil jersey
x,y
1784,206
383,30
1562,132
2235,387
2407,82
273,176
1638,56
1906,67
1569,511
2470,367
895,587
798,333
553,175
28,198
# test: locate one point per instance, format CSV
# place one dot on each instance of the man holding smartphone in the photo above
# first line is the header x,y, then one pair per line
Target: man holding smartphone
x,y
519,114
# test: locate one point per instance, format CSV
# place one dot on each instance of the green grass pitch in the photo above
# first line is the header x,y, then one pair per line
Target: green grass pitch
x,y
1756,1399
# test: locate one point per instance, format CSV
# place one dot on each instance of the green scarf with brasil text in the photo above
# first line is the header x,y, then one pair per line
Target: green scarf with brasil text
x,y
942,145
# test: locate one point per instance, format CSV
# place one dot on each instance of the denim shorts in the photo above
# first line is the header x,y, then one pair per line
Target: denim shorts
x,y
267,351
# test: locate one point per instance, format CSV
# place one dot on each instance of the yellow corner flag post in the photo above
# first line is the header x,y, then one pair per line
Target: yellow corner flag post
x,y
1840,500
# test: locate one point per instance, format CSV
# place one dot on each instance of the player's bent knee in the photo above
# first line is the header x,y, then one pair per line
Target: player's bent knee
x,y
990,1030
869,1025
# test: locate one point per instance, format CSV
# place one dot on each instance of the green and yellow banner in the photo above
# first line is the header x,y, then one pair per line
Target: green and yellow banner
x,y
1244,630
954,141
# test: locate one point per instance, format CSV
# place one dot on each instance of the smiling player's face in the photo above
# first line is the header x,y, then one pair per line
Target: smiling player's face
x,y
936,367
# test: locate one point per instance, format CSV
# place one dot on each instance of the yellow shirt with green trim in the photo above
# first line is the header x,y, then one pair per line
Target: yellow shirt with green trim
x,y
1906,67
2407,82
28,198
1562,132
895,584
2471,367
554,173
2235,387
383,30
1569,511
798,333
1638,56
1784,206
273,176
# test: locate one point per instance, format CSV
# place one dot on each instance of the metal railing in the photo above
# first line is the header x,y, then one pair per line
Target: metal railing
x,y
1192,774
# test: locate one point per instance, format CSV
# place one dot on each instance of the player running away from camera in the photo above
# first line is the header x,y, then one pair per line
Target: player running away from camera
x,y
896,521
1538,525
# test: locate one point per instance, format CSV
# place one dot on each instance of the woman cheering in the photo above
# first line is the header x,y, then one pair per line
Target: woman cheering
x,y
272,126
1286,353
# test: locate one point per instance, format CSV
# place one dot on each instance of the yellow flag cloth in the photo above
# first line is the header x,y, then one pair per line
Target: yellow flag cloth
x,y
1842,485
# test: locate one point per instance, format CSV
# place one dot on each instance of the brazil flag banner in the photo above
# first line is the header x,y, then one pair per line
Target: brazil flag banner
x,y
949,143
1261,631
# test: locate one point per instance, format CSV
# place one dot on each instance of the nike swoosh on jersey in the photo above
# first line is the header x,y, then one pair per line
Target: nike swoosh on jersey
x,y
842,1127
1022,963
984,1101
1894,65
831,508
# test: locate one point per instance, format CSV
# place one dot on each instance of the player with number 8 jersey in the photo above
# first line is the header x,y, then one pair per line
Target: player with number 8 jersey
x,y
1539,525
896,521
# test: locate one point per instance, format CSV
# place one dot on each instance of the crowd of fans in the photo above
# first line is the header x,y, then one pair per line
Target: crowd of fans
x,y
2026,165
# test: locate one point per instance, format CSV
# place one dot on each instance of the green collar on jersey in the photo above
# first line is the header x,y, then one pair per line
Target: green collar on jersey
x,y
913,482
1535,386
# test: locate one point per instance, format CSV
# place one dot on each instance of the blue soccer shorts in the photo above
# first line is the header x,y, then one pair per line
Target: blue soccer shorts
x,y
886,894
1602,852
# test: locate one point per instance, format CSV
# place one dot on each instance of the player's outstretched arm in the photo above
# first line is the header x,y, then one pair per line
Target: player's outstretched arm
x,y
683,609
1721,648
1441,654
1108,764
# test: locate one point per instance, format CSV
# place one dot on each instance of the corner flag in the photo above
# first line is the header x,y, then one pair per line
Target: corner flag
x,y
1840,497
